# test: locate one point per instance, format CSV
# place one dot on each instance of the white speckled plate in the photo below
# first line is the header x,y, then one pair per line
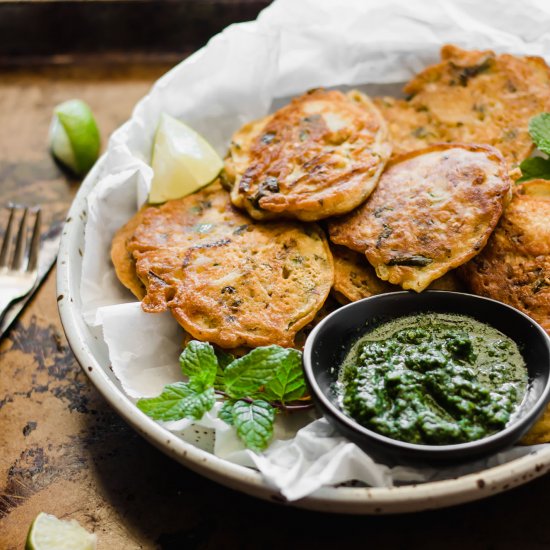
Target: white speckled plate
x,y
421,31
91,353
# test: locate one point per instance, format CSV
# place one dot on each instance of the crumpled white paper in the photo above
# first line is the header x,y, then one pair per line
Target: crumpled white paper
x,y
242,72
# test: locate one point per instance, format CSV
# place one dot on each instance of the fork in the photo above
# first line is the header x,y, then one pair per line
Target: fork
x,y
18,273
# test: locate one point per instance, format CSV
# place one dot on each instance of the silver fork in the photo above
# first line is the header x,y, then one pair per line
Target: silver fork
x,y
18,271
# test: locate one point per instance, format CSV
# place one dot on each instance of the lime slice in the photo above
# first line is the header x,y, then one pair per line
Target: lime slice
x,y
183,161
49,533
74,137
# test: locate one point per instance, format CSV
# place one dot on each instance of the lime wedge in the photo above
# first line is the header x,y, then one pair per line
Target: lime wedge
x,y
49,533
183,161
74,137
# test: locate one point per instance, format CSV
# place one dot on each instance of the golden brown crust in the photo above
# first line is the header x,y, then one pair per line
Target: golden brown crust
x,y
123,261
226,278
432,211
410,129
450,281
329,306
472,97
354,277
319,156
514,267
540,432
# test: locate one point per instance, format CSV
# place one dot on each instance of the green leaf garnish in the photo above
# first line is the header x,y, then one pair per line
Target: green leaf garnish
x,y
535,168
539,129
179,400
224,359
412,260
288,383
226,412
538,167
254,423
199,362
245,375
270,372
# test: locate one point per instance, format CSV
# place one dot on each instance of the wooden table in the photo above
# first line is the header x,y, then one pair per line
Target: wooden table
x,y
64,451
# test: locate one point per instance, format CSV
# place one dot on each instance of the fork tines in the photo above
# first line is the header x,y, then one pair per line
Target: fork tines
x,y
25,255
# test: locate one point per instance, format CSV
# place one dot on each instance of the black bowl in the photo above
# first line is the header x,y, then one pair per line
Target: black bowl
x,y
331,339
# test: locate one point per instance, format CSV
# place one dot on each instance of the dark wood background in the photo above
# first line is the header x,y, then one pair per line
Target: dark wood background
x,y
146,28
62,449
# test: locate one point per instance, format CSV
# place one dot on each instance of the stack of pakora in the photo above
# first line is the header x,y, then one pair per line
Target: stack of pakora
x,y
412,193
470,97
336,191
225,277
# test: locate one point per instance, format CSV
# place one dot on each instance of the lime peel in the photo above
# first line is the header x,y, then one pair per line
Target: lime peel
x,y
182,161
50,533
74,136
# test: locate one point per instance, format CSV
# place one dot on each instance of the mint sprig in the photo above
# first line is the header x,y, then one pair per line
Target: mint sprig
x,y
179,400
287,384
245,375
254,423
255,386
198,361
224,359
539,130
538,167
535,168
226,412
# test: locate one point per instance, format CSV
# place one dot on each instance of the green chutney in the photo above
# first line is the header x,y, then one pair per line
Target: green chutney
x,y
433,379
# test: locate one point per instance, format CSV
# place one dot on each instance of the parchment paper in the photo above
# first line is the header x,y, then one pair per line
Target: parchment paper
x,y
240,75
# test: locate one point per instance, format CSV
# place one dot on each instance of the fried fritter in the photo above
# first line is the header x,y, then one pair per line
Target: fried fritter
x,y
329,307
471,97
514,267
319,156
540,432
355,278
226,278
449,281
432,211
122,258
410,129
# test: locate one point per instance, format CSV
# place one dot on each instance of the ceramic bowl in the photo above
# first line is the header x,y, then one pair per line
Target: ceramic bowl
x,y
330,341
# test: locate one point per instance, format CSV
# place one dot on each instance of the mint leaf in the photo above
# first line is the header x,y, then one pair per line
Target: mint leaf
x,y
539,129
198,361
534,168
226,412
179,400
245,375
254,423
224,359
288,384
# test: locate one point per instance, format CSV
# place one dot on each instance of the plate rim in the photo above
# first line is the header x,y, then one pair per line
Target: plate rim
x,y
348,500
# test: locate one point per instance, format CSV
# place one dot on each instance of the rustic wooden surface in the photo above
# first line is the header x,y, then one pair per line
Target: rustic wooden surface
x,y
64,451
